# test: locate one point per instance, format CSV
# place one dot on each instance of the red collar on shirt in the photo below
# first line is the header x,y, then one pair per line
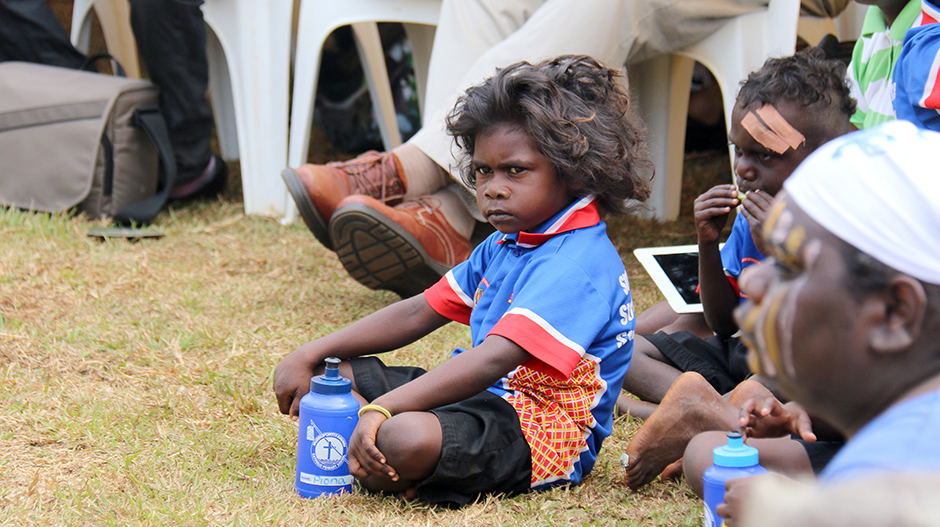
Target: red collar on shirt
x,y
582,213
930,13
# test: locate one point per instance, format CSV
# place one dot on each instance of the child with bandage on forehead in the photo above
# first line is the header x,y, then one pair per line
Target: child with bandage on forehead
x,y
783,112
845,319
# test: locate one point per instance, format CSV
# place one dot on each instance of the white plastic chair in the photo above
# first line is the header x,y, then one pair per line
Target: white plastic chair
x,y
316,20
661,87
249,72
847,26
812,29
249,67
849,22
118,37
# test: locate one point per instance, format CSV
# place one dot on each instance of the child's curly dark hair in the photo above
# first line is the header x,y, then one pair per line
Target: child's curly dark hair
x,y
577,112
810,79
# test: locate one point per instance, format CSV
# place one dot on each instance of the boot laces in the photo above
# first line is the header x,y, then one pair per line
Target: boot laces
x,y
373,174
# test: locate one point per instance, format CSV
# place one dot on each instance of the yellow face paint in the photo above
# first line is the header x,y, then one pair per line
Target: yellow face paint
x,y
784,238
795,239
769,333
767,328
775,228
753,360
785,328
747,329
791,246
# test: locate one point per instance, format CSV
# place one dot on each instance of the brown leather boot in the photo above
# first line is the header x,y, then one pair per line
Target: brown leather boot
x,y
318,188
404,249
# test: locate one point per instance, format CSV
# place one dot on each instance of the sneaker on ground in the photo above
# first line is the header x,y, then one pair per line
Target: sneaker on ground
x,y
317,189
404,249
208,184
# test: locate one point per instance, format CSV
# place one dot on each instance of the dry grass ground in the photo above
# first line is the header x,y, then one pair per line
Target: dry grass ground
x,y
136,377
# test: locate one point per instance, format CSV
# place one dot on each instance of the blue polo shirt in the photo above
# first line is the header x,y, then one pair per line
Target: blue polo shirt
x,y
562,294
739,252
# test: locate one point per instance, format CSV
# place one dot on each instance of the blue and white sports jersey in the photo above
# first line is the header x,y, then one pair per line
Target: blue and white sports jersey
x,y
917,73
562,294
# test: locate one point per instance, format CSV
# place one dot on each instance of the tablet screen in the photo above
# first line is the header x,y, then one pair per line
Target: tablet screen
x,y
682,271
675,271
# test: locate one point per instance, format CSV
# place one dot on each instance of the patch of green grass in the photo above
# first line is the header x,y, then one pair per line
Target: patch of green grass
x,y
136,377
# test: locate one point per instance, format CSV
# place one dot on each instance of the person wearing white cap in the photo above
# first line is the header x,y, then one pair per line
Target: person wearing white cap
x,y
845,316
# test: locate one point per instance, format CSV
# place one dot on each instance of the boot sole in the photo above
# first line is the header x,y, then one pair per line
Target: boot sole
x,y
379,254
308,212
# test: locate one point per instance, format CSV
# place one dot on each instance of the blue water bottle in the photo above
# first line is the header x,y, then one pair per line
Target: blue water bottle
x,y
328,415
734,460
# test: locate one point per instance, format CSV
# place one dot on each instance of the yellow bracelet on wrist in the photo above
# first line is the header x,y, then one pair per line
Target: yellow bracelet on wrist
x,y
377,408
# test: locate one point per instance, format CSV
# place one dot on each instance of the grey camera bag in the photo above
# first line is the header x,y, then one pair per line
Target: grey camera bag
x,y
83,140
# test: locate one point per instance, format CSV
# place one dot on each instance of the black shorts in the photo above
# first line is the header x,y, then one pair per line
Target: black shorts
x,y
723,362
820,452
483,450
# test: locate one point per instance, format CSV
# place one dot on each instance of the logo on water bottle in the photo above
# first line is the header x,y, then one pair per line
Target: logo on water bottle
x,y
328,449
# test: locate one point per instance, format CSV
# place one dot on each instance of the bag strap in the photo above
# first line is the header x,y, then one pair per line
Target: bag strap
x,y
90,62
150,120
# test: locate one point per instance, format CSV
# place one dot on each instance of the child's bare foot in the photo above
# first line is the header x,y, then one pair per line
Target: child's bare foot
x,y
690,406
410,494
672,471
749,389
636,408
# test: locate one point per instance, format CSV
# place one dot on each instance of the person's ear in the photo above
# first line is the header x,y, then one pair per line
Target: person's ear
x,y
905,306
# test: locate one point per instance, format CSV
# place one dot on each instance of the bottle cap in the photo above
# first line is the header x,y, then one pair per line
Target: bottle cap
x,y
735,453
331,382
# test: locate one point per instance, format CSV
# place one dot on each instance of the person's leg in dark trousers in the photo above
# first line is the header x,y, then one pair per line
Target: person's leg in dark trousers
x,y
30,32
171,39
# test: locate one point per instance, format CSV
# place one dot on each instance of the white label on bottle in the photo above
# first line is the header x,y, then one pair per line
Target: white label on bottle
x,y
326,481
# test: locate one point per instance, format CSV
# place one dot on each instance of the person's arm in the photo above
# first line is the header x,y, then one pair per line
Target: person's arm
x,y
387,329
718,297
459,378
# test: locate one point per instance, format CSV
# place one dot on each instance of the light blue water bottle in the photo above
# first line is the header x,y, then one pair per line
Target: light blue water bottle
x,y
328,415
734,460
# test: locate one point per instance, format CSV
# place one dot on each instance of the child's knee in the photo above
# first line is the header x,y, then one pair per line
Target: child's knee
x,y
698,457
644,351
411,443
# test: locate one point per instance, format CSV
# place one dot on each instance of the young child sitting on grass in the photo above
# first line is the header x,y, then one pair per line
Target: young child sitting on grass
x,y
783,111
810,93
550,148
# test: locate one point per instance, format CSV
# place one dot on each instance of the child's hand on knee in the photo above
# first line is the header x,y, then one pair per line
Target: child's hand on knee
x,y
365,459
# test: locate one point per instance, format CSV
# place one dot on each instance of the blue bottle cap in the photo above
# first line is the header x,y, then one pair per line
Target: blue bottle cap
x,y
331,382
735,453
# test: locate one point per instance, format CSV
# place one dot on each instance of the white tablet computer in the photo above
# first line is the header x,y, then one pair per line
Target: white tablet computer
x,y
675,271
